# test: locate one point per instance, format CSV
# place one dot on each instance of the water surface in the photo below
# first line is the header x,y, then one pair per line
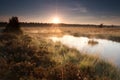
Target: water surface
x,y
106,49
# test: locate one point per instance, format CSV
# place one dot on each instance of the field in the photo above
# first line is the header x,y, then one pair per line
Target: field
x,y
32,56
92,32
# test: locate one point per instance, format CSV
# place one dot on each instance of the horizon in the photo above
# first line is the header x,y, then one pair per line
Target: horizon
x,y
64,11
62,23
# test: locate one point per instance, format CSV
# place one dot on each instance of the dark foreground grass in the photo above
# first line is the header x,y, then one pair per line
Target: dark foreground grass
x,y
26,58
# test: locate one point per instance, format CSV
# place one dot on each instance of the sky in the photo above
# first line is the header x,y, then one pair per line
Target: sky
x,y
68,11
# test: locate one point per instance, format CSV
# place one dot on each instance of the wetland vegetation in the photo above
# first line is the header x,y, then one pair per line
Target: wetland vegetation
x,y
32,56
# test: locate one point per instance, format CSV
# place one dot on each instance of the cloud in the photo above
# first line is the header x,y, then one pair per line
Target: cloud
x,y
80,10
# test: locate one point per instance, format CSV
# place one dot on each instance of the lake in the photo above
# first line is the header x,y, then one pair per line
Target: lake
x,y
106,49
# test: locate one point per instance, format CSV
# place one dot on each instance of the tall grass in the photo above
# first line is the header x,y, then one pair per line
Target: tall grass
x,y
26,58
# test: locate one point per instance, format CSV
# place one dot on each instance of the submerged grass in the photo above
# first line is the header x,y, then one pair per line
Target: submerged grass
x,y
28,58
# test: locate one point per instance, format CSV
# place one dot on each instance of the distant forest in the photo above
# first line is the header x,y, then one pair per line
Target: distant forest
x,y
32,24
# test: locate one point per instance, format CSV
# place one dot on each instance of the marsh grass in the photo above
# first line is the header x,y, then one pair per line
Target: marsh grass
x,y
93,42
93,32
28,58
90,31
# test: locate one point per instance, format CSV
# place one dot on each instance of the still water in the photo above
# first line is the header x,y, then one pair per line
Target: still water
x,y
106,49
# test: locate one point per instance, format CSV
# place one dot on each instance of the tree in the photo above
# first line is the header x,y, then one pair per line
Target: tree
x,y
13,25
101,25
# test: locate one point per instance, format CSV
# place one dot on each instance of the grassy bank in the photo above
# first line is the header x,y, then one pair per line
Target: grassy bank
x,y
31,58
91,32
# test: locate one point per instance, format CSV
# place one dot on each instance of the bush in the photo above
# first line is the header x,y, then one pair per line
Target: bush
x,y
13,26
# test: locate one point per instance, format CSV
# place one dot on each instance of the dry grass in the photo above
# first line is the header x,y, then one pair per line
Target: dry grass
x,y
92,32
106,33
34,58
92,42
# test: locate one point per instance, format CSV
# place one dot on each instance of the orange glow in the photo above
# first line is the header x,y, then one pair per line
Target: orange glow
x,y
56,20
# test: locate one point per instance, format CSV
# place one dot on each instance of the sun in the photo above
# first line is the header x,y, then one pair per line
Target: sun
x,y
56,20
